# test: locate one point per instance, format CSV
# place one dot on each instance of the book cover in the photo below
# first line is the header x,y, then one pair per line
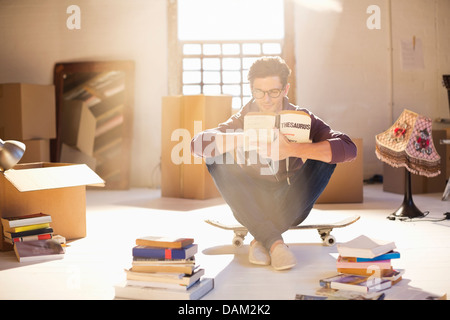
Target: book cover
x,y
37,218
295,125
198,290
177,268
348,262
365,247
26,228
176,278
165,253
355,283
38,250
387,256
164,242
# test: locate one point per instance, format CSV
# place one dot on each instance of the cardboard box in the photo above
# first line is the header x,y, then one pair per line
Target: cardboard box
x,y
36,151
184,116
394,178
56,189
73,155
27,111
79,125
346,183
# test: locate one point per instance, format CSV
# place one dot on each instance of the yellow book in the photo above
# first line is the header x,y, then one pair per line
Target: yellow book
x,y
27,228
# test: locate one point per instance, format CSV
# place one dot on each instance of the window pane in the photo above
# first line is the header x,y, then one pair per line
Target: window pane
x,y
211,49
251,48
234,90
192,77
190,49
191,64
211,77
247,62
231,77
246,90
230,19
271,48
231,64
246,100
231,48
211,64
236,103
211,89
190,90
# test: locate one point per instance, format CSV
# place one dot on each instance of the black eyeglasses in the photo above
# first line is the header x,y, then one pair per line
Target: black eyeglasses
x,y
273,93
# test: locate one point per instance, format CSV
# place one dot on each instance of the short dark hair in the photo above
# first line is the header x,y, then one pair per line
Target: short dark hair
x,y
269,67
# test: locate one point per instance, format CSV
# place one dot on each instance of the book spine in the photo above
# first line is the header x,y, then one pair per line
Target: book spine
x,y
167,253
27,233
29,227
35,237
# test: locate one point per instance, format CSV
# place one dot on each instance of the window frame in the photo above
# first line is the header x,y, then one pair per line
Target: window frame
x,y
176,55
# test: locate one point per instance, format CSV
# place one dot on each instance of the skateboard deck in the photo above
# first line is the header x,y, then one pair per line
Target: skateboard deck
x,y
324,229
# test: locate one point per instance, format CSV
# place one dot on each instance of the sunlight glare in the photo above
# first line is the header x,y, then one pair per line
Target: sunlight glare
x,y
230,19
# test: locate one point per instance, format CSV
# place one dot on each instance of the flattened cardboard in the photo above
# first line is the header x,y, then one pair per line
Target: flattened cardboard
x,y
44,178
79,125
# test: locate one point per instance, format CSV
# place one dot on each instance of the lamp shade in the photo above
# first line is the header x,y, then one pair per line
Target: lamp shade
x,y
10,153
408,143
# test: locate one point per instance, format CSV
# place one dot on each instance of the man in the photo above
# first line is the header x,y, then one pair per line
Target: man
x,y
269,204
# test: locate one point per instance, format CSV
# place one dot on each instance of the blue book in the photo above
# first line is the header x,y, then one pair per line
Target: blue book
x,y
386,256
165,253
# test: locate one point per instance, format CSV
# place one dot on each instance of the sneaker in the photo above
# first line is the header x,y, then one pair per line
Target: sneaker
x,y
258,254
282,258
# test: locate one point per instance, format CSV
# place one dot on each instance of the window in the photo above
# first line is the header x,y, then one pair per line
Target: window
x,y
218,40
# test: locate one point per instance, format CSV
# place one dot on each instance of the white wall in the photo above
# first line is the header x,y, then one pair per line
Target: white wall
x,y
34,36
343,68
349,76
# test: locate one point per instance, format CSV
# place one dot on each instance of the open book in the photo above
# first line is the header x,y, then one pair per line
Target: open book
x,y
260,127
295,125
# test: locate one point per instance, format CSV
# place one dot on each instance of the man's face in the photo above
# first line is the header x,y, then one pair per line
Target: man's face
x,y
265,91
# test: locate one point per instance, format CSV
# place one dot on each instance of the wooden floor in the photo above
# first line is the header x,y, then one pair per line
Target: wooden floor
x,y
94,264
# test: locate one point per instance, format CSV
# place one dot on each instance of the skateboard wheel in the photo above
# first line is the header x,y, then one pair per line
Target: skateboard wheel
x,y
329,240
238,241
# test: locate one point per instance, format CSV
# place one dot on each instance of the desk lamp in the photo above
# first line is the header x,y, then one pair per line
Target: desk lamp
x,y
10,153
408,143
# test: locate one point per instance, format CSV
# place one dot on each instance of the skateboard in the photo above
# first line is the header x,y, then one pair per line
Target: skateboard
x,y
324,229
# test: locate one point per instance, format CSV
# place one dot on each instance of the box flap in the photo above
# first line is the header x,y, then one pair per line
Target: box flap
x,y
53,177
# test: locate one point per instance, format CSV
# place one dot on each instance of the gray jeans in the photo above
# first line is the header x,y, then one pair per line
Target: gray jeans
x,y
269,208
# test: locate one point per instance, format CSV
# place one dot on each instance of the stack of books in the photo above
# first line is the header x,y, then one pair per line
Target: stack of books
x,y
32,237
364,266
26,228
164,269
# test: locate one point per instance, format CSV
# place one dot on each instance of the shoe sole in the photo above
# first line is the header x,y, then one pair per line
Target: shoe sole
x,y
259,263
284,267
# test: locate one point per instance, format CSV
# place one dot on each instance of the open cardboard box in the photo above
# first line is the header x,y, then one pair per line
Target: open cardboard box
x,y
57,189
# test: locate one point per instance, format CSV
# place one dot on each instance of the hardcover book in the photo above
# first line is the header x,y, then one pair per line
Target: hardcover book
x,y
38,250
295,125
164,242
365,247
26,220
165,253
356,283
